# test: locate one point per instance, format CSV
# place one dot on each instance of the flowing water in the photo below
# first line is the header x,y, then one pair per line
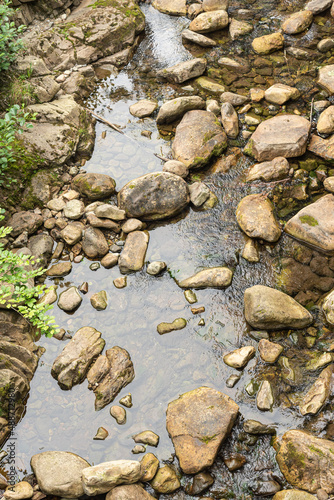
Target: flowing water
x,y
165,366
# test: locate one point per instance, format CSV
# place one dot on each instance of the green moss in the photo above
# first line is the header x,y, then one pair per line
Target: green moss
x,y
207,439
308,219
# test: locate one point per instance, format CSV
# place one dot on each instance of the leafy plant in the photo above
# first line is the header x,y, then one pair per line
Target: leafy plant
x,y
16,292
10,44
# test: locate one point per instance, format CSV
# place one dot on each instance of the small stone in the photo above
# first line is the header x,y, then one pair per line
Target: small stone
x,y
190,296
201,482
119,414
232,380
269,351
74,209
177,324
176,167
60,269
234,99
265,398
70,299
325,123
234,461
94,266
56,204
99,300
165,481
230,120
268,43
325,44
132,225
110,260
255,427
198,310
240,357
126,401
84,287
201,322
106,211
213,106
215,277
49,297
149,465
18,491
60,334
143,108
256,95
297,22
156,267
250,251
147,437
139,448
101,434
209,21
280,94
120,282
199,193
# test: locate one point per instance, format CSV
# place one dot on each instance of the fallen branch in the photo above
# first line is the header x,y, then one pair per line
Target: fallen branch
x,y
112,125
161,157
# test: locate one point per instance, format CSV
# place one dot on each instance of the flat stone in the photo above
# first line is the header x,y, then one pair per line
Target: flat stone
x,y
280,94
293,495
265,398
120,282
201,40
312,226
269,351
230,120
72,364
198,137
250,251
325,123
257,428
317,6
175,167
209,85
307,462
236,65
317,396
326,78
154,196
172,7
102,223
70,299
143,108
209,5
270,309
177,324
268,171
133,225
234,99
268,43
297,22
119,414
322,147
147,437
209,21
240,357
255,216
49,467
18,491
94,186
74,209
133,255
129,492
110,260
214,277
198,422
110,212
149,465
176,108
103,477
101,434
56,204
156,267
59,269
72,233
165,481
24,221
239,28
283,135
99,300
184,71
199,193
94,243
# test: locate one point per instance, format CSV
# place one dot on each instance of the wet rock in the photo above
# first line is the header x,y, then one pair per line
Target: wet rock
x,y
156,267
312,225
194,9
317,6
133,225
99,300
133,255
139,448
110,260
165,481
269,351
240,357
201,482
267,171
24,221
282,135
18,491
317,396
239,28
119,414
250,251
56,204
154,196
215,277
325,44
234,99
306,461
209,5
172,7
190,296
255,216
102,223
255,427
293,495
70,299
101,434
143,108
213,106
149,465
94,186
325,123
232,380
41,247
199,193
326,78
183,71
120,282
265,398
322,147
94,244
126,401
271,309
176,168
268,43
209,85
129,492
234,461
198,422
109,382
49,297
72,233
49,467
201,40
198,137
147,437
176,108
177,324
72,364
280,94
209,21
266,488
110,212
298,22
319,361
103,477
230,120
74,209
328,307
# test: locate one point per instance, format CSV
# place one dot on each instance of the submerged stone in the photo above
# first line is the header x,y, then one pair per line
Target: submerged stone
x,y
214,277
177,324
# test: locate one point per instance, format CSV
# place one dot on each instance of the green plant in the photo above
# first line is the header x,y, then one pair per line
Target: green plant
x,y
16,292
10,44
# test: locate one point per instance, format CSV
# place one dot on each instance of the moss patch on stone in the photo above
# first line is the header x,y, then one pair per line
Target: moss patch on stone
x,y
308,219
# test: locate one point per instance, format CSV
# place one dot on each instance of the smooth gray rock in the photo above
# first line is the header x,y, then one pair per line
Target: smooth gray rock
x,y
70,299
103,477
94,243
74,209
201,40
214,277
255,216
184,71
176,108
72,233
209,21
199,193
143,108
133,255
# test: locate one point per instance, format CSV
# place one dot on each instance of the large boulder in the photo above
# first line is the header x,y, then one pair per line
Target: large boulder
x,y
255,216
94,186
154,196
172,7
183,71
72,364
103,477
313,225
132,257
198,422
49,468
307,462
198,137
209,21
214,277
62,129
176,108
267,308
282,135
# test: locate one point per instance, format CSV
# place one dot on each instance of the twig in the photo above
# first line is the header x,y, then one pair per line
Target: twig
x,y
311,115
106,122
160,157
